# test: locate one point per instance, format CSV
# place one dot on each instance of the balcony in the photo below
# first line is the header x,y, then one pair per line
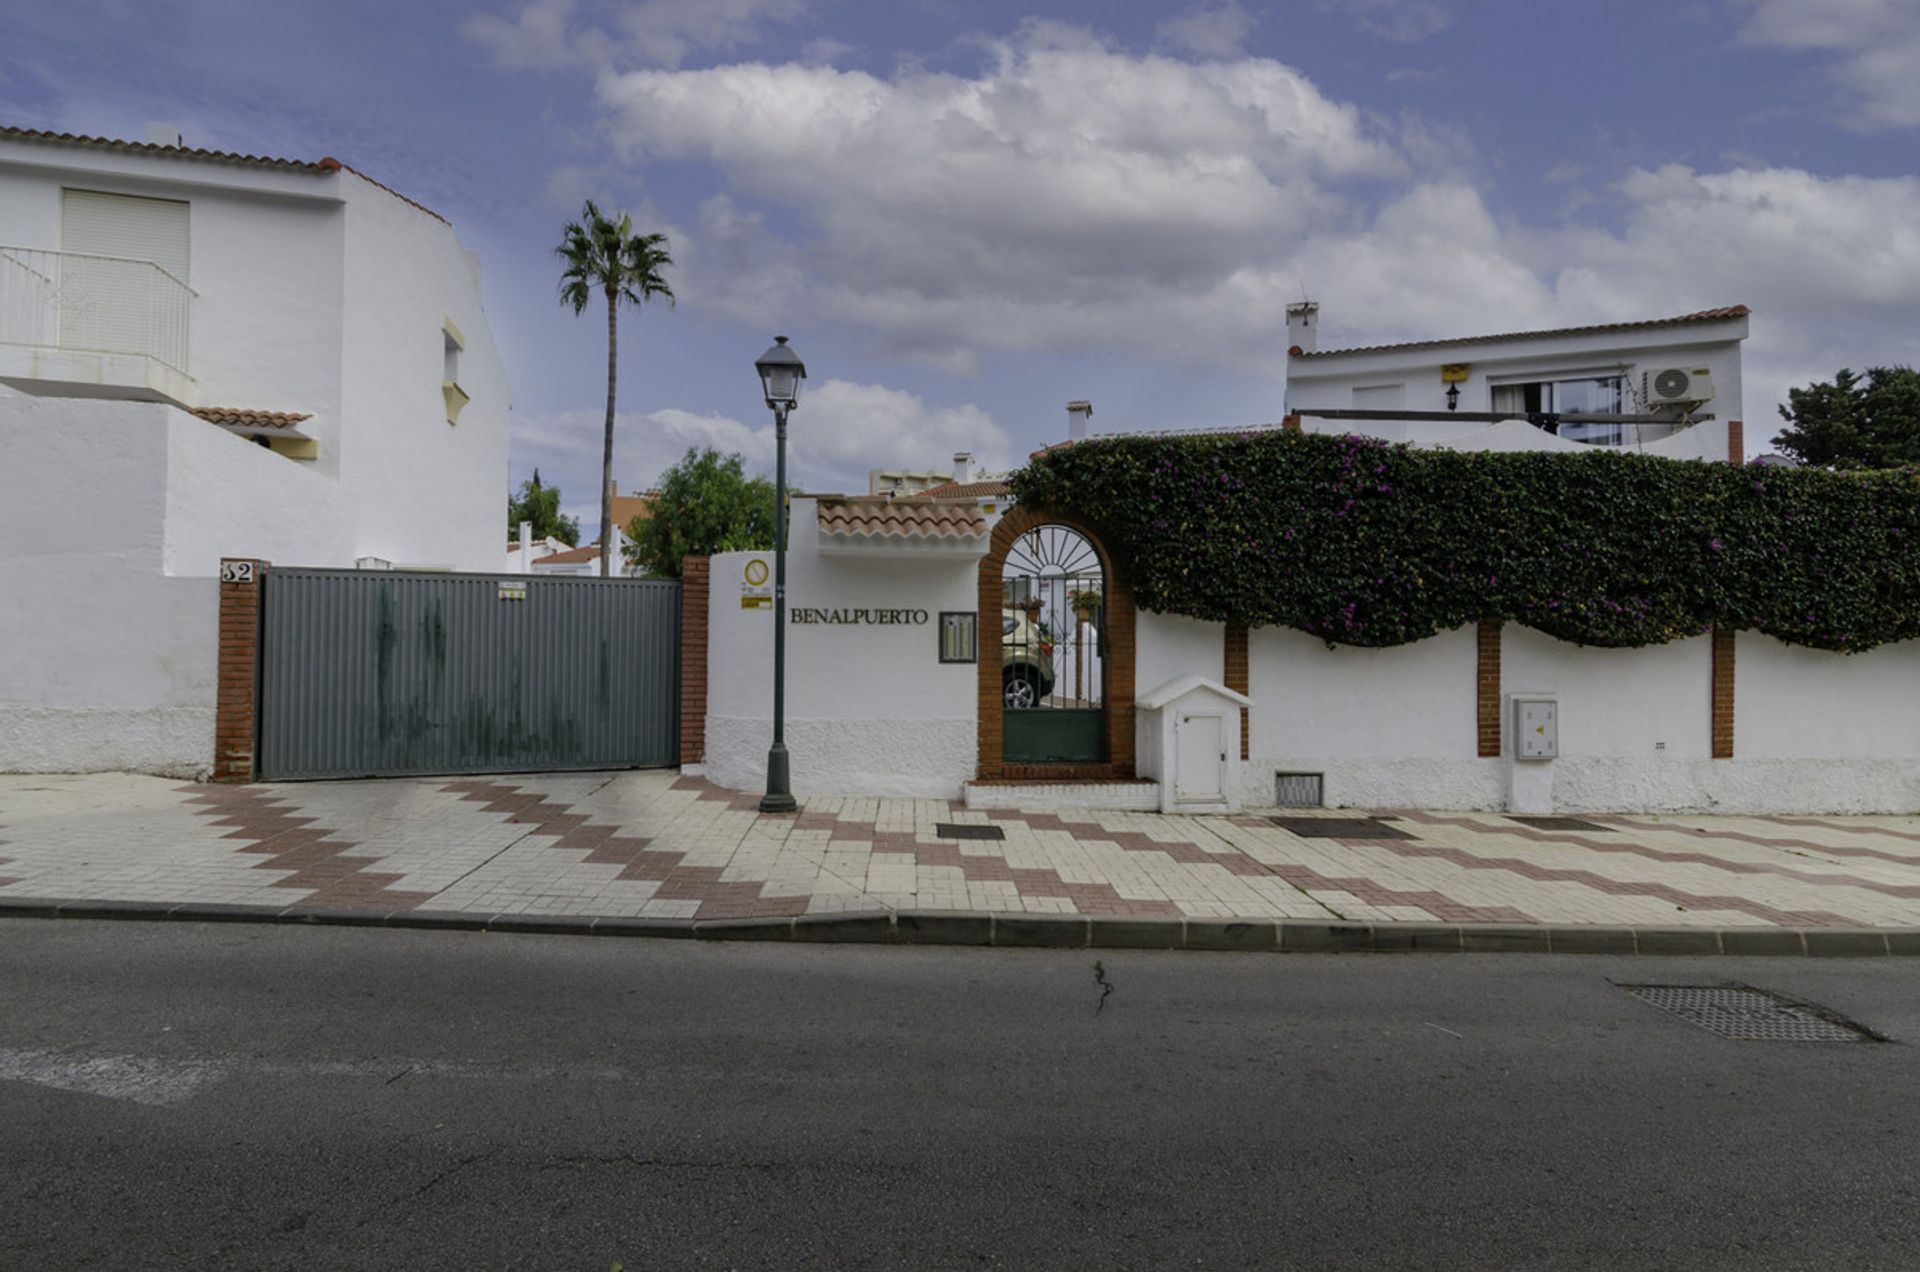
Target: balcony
x,y
74,325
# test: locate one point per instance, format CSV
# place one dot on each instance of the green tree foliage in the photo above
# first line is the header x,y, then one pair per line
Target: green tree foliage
x,y
540,504
707,504
1362,543
603,254
1855,423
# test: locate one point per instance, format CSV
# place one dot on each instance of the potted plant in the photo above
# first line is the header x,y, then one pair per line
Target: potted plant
x,y
1085,603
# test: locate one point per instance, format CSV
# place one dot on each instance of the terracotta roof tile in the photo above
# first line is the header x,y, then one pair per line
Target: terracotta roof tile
x,y
962,490
572,556
8,133
871,516
1705,315
240,417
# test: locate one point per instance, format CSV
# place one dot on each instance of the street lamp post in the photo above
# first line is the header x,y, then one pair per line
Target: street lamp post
x,y
780,371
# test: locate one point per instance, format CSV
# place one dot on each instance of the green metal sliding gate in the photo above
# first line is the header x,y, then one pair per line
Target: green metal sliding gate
x,y
376,673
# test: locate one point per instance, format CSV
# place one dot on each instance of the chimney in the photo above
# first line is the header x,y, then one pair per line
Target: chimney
x,y
164,135
1079,415
1303,326
526,545
963,466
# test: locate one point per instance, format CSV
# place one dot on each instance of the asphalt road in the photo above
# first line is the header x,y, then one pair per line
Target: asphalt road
x,y
229,1096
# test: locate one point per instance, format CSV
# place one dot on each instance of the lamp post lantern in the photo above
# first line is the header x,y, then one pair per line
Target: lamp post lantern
x,y
780,371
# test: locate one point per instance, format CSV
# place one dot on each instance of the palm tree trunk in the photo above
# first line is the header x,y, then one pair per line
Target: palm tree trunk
x,y
606,453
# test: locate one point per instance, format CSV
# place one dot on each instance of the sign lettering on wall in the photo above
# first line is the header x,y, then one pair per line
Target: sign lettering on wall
x,y
864,616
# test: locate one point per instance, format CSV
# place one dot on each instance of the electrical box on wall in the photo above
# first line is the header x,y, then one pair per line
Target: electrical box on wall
x,y
1536,728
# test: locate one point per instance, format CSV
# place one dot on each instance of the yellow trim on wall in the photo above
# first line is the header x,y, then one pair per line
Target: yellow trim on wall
x,y
456,398
459,341
295,447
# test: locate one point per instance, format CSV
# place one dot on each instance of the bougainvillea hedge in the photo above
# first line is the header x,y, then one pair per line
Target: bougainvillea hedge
x,y
1366,543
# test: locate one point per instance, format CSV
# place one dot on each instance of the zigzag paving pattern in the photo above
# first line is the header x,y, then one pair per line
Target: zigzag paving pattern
x,y
656,844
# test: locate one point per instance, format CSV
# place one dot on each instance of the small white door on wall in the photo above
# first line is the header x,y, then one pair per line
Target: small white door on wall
x,y
1199,758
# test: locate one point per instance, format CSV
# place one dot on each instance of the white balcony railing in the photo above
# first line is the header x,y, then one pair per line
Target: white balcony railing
x,y
93,304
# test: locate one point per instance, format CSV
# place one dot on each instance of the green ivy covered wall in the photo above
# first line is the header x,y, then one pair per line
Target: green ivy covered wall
x,y
1366,543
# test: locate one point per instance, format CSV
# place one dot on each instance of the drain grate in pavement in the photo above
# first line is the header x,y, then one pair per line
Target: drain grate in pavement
x,y
1556,823
1749,1015
1339,828
954,830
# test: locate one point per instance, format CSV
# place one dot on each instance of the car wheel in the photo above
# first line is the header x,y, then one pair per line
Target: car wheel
x,y
1022,688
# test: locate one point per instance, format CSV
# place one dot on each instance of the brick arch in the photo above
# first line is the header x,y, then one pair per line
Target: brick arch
x,y
1116,651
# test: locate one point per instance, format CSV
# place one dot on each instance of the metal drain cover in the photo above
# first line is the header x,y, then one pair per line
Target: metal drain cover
x,y
1339,828
1749,1015
1556,823
956,830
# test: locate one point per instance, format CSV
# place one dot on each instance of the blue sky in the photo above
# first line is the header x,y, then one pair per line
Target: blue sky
x,y
966,212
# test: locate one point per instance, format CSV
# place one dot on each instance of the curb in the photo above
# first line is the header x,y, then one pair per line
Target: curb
x,y
1049,931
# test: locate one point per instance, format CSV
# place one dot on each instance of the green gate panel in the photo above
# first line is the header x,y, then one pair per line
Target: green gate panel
x,y
377,673
1054,735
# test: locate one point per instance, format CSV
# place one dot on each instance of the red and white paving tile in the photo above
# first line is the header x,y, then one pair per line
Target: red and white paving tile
x,y
657,844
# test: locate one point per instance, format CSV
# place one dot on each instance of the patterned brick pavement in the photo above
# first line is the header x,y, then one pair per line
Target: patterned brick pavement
x,y
655,844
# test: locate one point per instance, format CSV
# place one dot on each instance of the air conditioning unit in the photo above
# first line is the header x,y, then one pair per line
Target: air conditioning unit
x,y
1676,386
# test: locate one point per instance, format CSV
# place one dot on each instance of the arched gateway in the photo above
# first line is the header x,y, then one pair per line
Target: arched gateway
x,y
1058,701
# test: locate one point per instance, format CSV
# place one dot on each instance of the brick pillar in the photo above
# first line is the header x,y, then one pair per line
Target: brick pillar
x,y
1723,693
237,697
1291,423
1723,638
1236,677
1487,682
695,589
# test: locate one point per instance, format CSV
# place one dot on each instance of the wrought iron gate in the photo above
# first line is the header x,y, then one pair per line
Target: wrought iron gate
x,y
1052,620
372,673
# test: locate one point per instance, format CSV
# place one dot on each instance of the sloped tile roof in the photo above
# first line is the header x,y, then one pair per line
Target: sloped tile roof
x,y
572,556
963,490
325,166
1705,315
241,417
876,516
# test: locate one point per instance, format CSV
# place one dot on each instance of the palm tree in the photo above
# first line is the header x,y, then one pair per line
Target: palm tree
x,y
607,256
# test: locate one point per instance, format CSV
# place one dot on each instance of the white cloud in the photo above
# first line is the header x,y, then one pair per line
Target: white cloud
x,y
1209,30
535,39
547,35
839,431
1876,42
1402,21
1064,188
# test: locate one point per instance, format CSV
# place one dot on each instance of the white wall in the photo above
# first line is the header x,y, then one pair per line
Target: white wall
x,y
423,492
109,662
1167,646
1635,724
870,709
1387,727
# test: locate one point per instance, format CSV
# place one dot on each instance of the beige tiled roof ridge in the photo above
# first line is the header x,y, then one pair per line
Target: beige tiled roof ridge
x,y
1705,315
901,518
242,417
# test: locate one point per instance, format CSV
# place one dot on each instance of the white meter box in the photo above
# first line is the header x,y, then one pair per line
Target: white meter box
x,y
1536,728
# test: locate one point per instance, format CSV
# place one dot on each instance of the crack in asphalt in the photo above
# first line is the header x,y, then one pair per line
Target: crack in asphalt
x,y
1106,986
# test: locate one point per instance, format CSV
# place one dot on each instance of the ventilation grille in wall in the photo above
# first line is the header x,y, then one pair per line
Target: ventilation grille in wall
x,y
1298,790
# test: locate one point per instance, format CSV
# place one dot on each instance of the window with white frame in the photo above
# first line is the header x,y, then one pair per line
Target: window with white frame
x,y
1581,395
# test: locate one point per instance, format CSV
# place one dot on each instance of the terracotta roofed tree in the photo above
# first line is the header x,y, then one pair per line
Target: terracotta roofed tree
x,y
604,255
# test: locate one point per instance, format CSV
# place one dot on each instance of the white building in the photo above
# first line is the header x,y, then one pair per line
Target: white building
x,y
1683,373
206,355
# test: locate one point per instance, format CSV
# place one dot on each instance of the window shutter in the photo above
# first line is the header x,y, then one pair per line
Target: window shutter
x,y
123,225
